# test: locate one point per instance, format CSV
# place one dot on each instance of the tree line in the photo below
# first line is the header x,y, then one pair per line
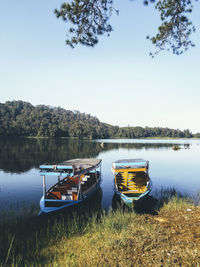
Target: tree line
x,y
19,118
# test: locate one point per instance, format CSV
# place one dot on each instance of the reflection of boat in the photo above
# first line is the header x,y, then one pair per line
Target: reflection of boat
x,y
148,204
77,180
131,180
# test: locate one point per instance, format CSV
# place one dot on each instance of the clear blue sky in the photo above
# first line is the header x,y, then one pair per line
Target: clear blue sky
x,y
117,81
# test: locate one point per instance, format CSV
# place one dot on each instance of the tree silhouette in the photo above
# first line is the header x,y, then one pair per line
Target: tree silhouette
x,y
89,19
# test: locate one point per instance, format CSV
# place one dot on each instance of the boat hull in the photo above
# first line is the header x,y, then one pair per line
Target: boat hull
x,y
130,200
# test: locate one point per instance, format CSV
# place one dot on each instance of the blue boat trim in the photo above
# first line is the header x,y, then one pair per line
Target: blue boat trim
x,y
55,167
130,164
61,174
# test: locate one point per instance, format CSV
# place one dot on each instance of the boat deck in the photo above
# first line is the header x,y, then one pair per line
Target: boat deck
x,y
135,182
68,187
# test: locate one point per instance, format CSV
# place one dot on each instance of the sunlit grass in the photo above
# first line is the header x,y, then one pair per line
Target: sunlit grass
x,y
122,239
114,238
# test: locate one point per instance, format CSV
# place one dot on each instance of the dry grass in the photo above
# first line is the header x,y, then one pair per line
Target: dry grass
x,y
125,239
170,238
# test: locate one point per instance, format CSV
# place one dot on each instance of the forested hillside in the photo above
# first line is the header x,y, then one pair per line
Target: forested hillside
x,y
18,118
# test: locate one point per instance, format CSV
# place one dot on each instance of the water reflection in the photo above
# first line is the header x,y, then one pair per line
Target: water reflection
x,y
21,155
20,181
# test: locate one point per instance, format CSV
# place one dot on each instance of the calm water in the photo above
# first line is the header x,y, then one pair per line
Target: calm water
x,y
21,183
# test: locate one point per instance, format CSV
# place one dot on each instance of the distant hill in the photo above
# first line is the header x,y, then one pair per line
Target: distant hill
x,y
19,118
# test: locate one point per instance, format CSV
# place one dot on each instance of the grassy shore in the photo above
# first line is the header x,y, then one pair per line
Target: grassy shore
x,y
168,237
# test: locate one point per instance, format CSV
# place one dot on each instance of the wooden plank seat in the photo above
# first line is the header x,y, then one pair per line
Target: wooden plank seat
x,y
63,190
69,182
54,195
64,186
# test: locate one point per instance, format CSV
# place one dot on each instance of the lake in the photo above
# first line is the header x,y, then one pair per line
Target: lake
x,y
21,183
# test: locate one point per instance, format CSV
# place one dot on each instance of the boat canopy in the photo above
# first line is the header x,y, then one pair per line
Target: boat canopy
x,y
73,166
130,163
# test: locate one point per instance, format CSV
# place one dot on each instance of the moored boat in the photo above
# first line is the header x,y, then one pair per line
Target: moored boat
x,y
131,181
77,180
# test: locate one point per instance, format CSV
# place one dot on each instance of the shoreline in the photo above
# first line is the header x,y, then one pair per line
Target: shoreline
x,y
84,138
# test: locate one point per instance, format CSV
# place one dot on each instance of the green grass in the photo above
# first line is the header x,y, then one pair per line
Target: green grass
x,y
122,237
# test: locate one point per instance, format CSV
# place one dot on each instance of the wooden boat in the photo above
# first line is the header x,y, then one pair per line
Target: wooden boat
x,y
131,181
77,180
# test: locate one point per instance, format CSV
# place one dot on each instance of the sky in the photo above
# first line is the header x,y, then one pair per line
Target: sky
x,y
116,81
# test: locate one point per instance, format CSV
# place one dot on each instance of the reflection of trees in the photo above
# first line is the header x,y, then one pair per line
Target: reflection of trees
x,y
109,146
20,155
